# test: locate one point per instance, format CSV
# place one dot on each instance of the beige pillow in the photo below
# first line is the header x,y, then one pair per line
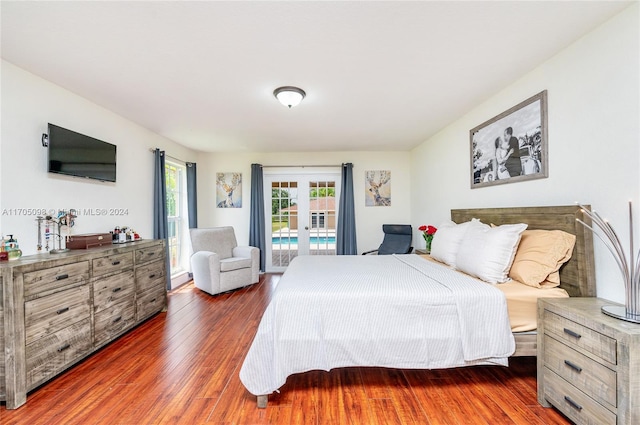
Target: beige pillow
x,y
555,277
540,255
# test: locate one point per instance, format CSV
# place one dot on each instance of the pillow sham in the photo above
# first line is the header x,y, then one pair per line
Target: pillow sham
x,y
540,255
487,252
553,277
446,241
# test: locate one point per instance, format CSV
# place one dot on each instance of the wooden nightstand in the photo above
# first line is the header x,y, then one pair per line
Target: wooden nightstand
x,y
420,251
588,363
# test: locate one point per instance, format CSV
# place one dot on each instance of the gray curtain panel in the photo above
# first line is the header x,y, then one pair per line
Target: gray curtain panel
x,y
346,233
192,195
256,225
160,224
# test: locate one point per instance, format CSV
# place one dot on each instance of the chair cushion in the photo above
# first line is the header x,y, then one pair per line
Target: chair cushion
x,y
220,240
234,263
395,244
397,239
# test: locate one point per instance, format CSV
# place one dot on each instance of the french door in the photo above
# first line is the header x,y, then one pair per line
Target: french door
x,y
301,215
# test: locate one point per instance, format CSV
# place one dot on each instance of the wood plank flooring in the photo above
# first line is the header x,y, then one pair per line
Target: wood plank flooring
x,y
181,367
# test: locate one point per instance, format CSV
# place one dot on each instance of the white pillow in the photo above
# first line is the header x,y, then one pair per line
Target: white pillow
x,y
446,241
487,252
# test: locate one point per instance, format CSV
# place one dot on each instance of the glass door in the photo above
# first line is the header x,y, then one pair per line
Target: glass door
x,y
301,216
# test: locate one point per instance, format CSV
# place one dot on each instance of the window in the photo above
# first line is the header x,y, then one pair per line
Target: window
x,y
175,175
317,220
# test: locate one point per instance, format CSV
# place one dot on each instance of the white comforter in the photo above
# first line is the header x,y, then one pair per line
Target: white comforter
x,y
396,311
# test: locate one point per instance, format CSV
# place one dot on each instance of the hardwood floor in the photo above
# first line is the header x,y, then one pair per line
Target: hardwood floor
x,y
181,367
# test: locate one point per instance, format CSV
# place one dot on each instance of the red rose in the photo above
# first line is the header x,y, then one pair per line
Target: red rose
x,y
430,230
423,228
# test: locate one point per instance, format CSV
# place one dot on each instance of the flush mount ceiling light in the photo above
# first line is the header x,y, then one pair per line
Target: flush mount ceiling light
x,y
289,95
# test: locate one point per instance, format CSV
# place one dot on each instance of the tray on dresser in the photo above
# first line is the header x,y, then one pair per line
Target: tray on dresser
x,y
88,241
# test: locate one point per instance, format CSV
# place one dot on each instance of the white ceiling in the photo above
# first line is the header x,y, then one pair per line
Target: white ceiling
x,y
382,75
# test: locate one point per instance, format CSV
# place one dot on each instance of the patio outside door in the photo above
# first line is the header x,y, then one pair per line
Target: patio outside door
x,y
301,215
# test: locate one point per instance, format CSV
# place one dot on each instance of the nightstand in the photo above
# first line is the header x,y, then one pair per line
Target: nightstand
x,y
588,363
420,251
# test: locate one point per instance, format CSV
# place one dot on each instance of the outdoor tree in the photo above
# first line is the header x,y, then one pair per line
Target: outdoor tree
x,y
322,192
279,200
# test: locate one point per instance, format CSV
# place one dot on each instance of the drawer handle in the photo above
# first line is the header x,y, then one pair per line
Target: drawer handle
x,y
150,253
572,333
64,347
62,310
573,366
115,263
152,301
572,403
117,319
116,290
151,276
62,276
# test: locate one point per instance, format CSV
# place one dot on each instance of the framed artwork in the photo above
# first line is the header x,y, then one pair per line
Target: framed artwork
x,y
377,188
511,147
229,190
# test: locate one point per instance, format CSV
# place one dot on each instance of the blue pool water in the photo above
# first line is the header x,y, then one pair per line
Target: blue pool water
x,y
294,240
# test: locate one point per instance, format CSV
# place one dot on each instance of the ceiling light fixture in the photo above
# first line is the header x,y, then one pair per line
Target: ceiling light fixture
x,y
289,95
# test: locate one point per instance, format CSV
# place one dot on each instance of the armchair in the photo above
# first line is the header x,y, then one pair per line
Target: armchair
x,y
219,264
397,240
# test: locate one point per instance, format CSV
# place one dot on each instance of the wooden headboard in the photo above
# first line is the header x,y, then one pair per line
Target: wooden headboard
x,y
577,276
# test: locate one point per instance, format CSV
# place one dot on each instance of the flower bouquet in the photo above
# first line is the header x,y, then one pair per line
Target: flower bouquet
x,y
427,234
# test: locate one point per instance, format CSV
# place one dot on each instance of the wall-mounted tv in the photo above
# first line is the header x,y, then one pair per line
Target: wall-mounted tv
x,y
75,154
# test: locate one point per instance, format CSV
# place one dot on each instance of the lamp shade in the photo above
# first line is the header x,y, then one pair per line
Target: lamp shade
x,y
289,95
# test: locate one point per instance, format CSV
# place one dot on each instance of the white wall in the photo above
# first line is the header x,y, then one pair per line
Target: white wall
x,y
594,154
594,147
369,220
28,104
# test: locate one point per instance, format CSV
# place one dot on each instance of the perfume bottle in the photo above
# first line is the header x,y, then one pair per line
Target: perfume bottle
x,y
4,255
12,248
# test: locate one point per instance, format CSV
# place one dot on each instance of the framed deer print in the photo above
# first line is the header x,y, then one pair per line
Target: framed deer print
x,y
377,188
229,190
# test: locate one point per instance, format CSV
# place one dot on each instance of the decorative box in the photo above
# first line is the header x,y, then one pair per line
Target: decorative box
x,y
92,240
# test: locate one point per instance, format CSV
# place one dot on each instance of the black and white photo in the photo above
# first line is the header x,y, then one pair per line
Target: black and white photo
x,y
512,146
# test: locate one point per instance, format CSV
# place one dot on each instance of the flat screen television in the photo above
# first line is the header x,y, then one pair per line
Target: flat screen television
x,y
75,154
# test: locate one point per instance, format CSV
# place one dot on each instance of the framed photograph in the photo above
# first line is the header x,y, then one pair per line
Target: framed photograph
x,y
229,190
511,147
377,188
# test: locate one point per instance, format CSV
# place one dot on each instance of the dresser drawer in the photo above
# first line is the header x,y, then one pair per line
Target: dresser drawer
x,y
111,290
150,302
47,315
584,373
51,354
144,255
55,277
575,404
576,335
113,321
112,263
149,276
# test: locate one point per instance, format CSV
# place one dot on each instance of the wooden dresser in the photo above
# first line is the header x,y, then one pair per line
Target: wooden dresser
x,y
588,362
56,309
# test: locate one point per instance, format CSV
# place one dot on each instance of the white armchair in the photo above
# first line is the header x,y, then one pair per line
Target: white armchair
x,y
219,264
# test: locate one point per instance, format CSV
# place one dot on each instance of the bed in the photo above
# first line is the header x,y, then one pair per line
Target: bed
x,y
577,276
399,311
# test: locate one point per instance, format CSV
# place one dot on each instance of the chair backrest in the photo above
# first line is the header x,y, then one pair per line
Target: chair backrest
x,y
397,239
220,240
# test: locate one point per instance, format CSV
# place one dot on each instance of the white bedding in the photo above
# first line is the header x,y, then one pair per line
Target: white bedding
x,y
396,311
